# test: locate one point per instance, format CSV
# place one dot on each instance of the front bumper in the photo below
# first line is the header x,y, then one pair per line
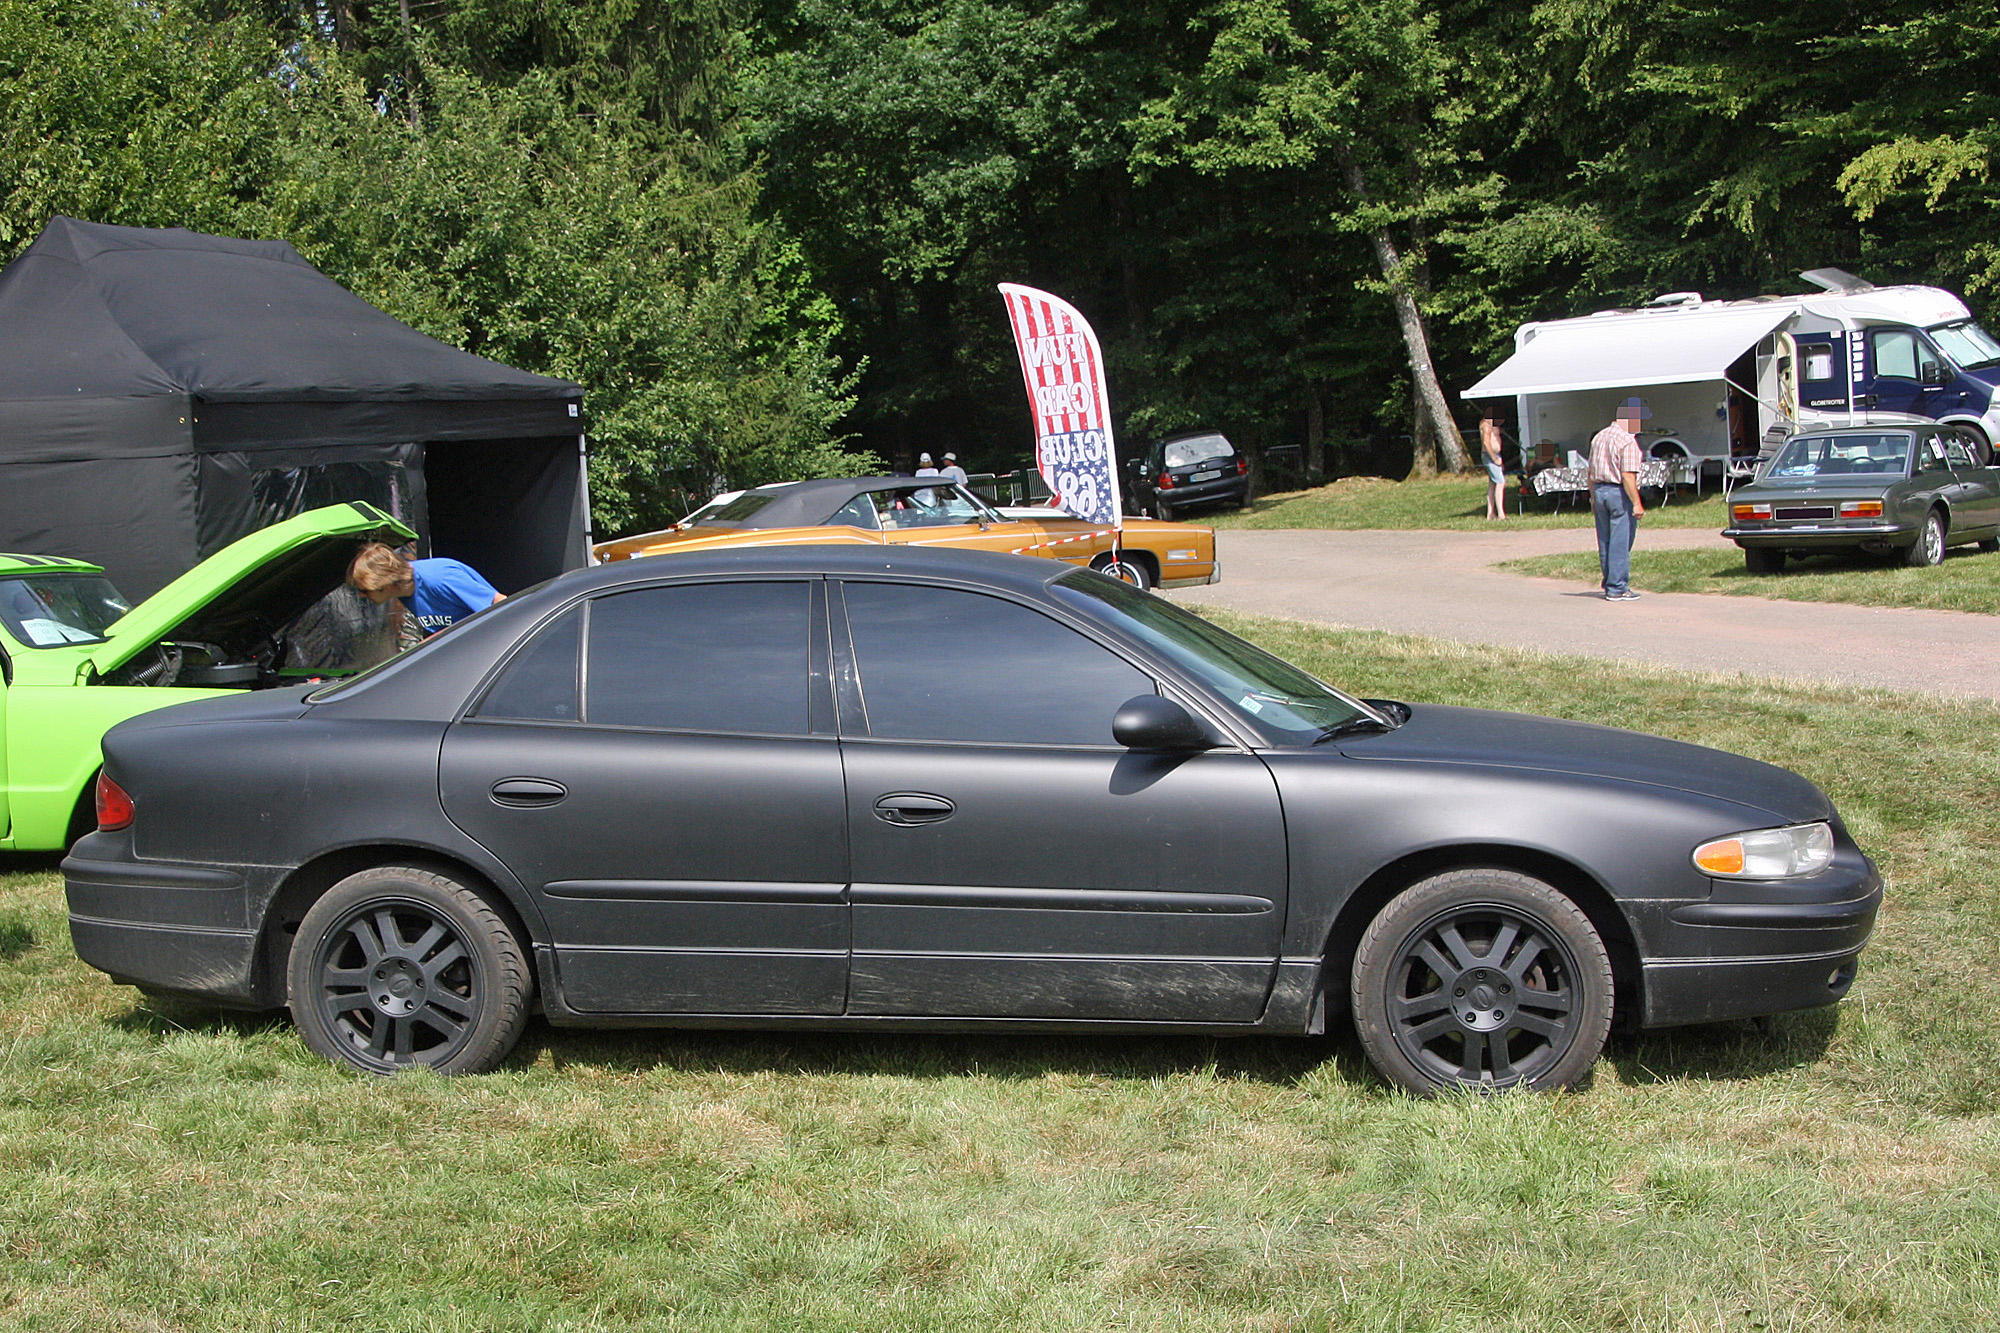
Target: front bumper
x,y
1754,949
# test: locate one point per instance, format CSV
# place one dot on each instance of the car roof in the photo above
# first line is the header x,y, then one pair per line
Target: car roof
x,y
1018,573
807,504
45,564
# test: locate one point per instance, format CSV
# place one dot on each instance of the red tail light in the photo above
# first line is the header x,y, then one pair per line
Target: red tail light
x,y
1242,467
114,807
1166,482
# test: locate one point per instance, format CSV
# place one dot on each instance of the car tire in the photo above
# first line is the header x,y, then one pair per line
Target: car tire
x,y
1164,510
1127,570
396,967
1989,545
1763,560
1928,548
1482,979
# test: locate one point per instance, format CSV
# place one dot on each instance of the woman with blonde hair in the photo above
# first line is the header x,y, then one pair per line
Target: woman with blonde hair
x,y
438,592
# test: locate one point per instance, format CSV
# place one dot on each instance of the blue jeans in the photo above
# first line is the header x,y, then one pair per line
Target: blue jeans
x,y
1612,508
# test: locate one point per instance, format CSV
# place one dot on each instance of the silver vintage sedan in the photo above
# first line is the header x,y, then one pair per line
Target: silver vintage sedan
x,y
1910,489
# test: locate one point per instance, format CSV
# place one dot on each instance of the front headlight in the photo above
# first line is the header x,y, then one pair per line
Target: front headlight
x,y
1769,853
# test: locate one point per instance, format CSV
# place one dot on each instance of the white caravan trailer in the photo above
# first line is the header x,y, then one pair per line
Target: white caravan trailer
x,y
1715,373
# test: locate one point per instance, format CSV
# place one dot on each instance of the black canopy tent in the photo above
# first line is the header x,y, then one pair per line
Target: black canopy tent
x,y
163,393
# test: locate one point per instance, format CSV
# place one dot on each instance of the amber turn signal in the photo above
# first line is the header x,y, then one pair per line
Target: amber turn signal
x,y
1861,509
1723,857
1741,513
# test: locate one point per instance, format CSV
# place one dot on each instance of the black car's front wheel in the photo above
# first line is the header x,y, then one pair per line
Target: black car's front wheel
x,y
1485,979
398,966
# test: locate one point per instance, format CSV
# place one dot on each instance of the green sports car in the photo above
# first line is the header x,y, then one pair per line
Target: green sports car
x,y
74,658
1910,489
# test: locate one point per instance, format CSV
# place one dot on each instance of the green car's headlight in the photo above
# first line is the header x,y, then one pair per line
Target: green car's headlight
x,y
1770,853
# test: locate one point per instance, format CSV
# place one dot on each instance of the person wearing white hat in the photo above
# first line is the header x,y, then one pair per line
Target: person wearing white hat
x,y
951,471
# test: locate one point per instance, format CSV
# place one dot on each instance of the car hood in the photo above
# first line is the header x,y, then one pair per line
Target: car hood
x,y
1443,735
254,586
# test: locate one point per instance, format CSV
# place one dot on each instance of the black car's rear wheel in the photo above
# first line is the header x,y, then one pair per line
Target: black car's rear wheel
x,y
1164,509
397,967
1763,560
1928,548
1485,979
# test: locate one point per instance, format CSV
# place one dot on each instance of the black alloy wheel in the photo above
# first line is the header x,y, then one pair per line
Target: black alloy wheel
x,y
1928,548
1484,979
397,967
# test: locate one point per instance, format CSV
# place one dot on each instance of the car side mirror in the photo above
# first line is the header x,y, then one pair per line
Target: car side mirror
x,y
1933,373
1155,722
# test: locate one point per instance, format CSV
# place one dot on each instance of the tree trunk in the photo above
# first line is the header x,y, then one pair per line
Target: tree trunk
x,y
1423,443
1430,399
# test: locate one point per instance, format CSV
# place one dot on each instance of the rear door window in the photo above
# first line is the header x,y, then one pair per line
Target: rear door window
x,y
720,657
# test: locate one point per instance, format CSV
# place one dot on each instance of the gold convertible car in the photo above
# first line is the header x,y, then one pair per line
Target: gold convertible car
x,y
926,511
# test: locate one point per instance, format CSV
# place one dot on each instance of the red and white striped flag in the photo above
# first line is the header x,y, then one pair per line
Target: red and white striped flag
x,y
1064,370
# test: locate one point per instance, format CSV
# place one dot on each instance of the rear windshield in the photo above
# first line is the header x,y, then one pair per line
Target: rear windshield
x,y
742,507
1843,455
49,610
1198,449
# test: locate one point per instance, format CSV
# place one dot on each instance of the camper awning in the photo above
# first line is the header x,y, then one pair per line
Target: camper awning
x,y
1630,351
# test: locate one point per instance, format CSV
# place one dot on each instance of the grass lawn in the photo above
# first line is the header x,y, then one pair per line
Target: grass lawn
x,y
172,1170
1445,502
1967,580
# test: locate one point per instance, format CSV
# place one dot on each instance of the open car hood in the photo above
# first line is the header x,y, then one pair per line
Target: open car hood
x,y
252,587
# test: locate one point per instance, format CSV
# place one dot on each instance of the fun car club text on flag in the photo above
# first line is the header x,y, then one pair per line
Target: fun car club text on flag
x,y
1064,371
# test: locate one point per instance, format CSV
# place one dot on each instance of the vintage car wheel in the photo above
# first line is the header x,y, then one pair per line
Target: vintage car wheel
x,y
397,967
1485,979
1763,559
1127,570
1928,548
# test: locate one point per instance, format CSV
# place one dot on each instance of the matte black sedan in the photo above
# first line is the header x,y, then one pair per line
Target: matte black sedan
x,y
1914,490
830,787
1184,472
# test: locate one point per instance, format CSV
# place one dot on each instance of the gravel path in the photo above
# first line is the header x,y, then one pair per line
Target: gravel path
x,y
1442,584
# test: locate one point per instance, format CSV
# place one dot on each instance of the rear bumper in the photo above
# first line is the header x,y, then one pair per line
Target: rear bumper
x,y
173,928
1205,492
1807,537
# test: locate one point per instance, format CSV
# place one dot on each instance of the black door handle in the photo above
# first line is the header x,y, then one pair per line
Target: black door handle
x,y
907,808
528,791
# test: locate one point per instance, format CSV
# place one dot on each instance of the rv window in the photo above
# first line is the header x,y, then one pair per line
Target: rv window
x,y
1896,354
1819,363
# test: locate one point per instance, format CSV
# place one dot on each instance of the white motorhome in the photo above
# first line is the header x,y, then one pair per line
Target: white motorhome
x,y
1729,376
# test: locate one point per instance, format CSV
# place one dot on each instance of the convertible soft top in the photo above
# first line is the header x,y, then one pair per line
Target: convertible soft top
x,y
806,504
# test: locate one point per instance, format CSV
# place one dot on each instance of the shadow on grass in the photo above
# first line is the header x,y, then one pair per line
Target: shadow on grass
x,y
1267,1059
31,863
16,937
165,1016
1748,1049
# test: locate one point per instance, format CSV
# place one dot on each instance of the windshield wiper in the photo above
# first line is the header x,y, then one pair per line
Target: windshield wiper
x,y
1363,725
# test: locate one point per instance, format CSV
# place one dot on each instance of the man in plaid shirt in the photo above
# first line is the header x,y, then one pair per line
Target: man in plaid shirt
x,y
1614,497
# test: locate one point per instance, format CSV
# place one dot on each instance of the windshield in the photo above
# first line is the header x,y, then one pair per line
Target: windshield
x,y
1277,696
1200,449
922,507
1969,346
1843,455
49,610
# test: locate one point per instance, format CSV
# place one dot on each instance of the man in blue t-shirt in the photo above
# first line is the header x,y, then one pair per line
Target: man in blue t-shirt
x,y
440,592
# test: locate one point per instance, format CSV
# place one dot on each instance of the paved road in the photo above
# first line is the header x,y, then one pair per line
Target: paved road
x,y
1441,584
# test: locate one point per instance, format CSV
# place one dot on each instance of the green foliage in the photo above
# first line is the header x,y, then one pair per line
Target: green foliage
x,y
553,186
